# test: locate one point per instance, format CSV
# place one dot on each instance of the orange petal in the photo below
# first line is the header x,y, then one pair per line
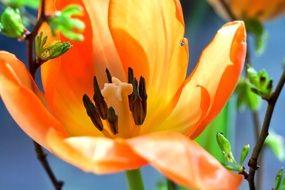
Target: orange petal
x,y
148,36
76,65
68,78
105,54
258,9
212,82
184,161
21,97
95,154
261,10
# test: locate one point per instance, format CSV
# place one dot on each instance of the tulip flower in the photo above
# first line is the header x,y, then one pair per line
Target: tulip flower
x,y
261,10
121,99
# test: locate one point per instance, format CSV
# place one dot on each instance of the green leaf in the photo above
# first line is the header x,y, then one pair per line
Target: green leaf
x,y
276,143
282,186
245,97
46,52
11,23
261,83
256,28
244,153
233,166
64,22
54,50
22,3
278,179
73,10
161,185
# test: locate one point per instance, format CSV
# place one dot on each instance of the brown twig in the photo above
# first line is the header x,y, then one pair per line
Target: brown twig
x,y
30,38
42,157
256,125
33,66
253,161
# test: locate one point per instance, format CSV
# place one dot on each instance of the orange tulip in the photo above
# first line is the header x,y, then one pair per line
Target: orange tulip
x,y
146,37
261,10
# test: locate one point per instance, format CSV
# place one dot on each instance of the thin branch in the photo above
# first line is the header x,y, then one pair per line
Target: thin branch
x,y
33,66
256,127
253,161
42,158
256,124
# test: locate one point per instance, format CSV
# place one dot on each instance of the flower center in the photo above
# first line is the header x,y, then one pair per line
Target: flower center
x,y
119,107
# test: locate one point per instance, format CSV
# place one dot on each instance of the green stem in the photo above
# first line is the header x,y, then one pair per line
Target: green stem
x,y
134,179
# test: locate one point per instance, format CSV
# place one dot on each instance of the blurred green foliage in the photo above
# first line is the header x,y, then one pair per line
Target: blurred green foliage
x,y
11,23
65,21
34,4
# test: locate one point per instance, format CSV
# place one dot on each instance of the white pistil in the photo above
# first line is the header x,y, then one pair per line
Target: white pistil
x,y
116,96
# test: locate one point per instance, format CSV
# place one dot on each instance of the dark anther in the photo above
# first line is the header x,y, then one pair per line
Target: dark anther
x,y
92,112
137,100
99,100
137,110
113,120
109,76
143,95
133,94
130,75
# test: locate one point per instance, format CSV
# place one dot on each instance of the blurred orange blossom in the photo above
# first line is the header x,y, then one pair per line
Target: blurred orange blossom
x,y
261,10
146,37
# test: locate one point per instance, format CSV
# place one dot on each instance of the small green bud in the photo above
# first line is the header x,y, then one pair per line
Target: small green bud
x,y
54,50
244,153
46,52
223,142
12,23
275,142
261,83
278,178
252,74
225,146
